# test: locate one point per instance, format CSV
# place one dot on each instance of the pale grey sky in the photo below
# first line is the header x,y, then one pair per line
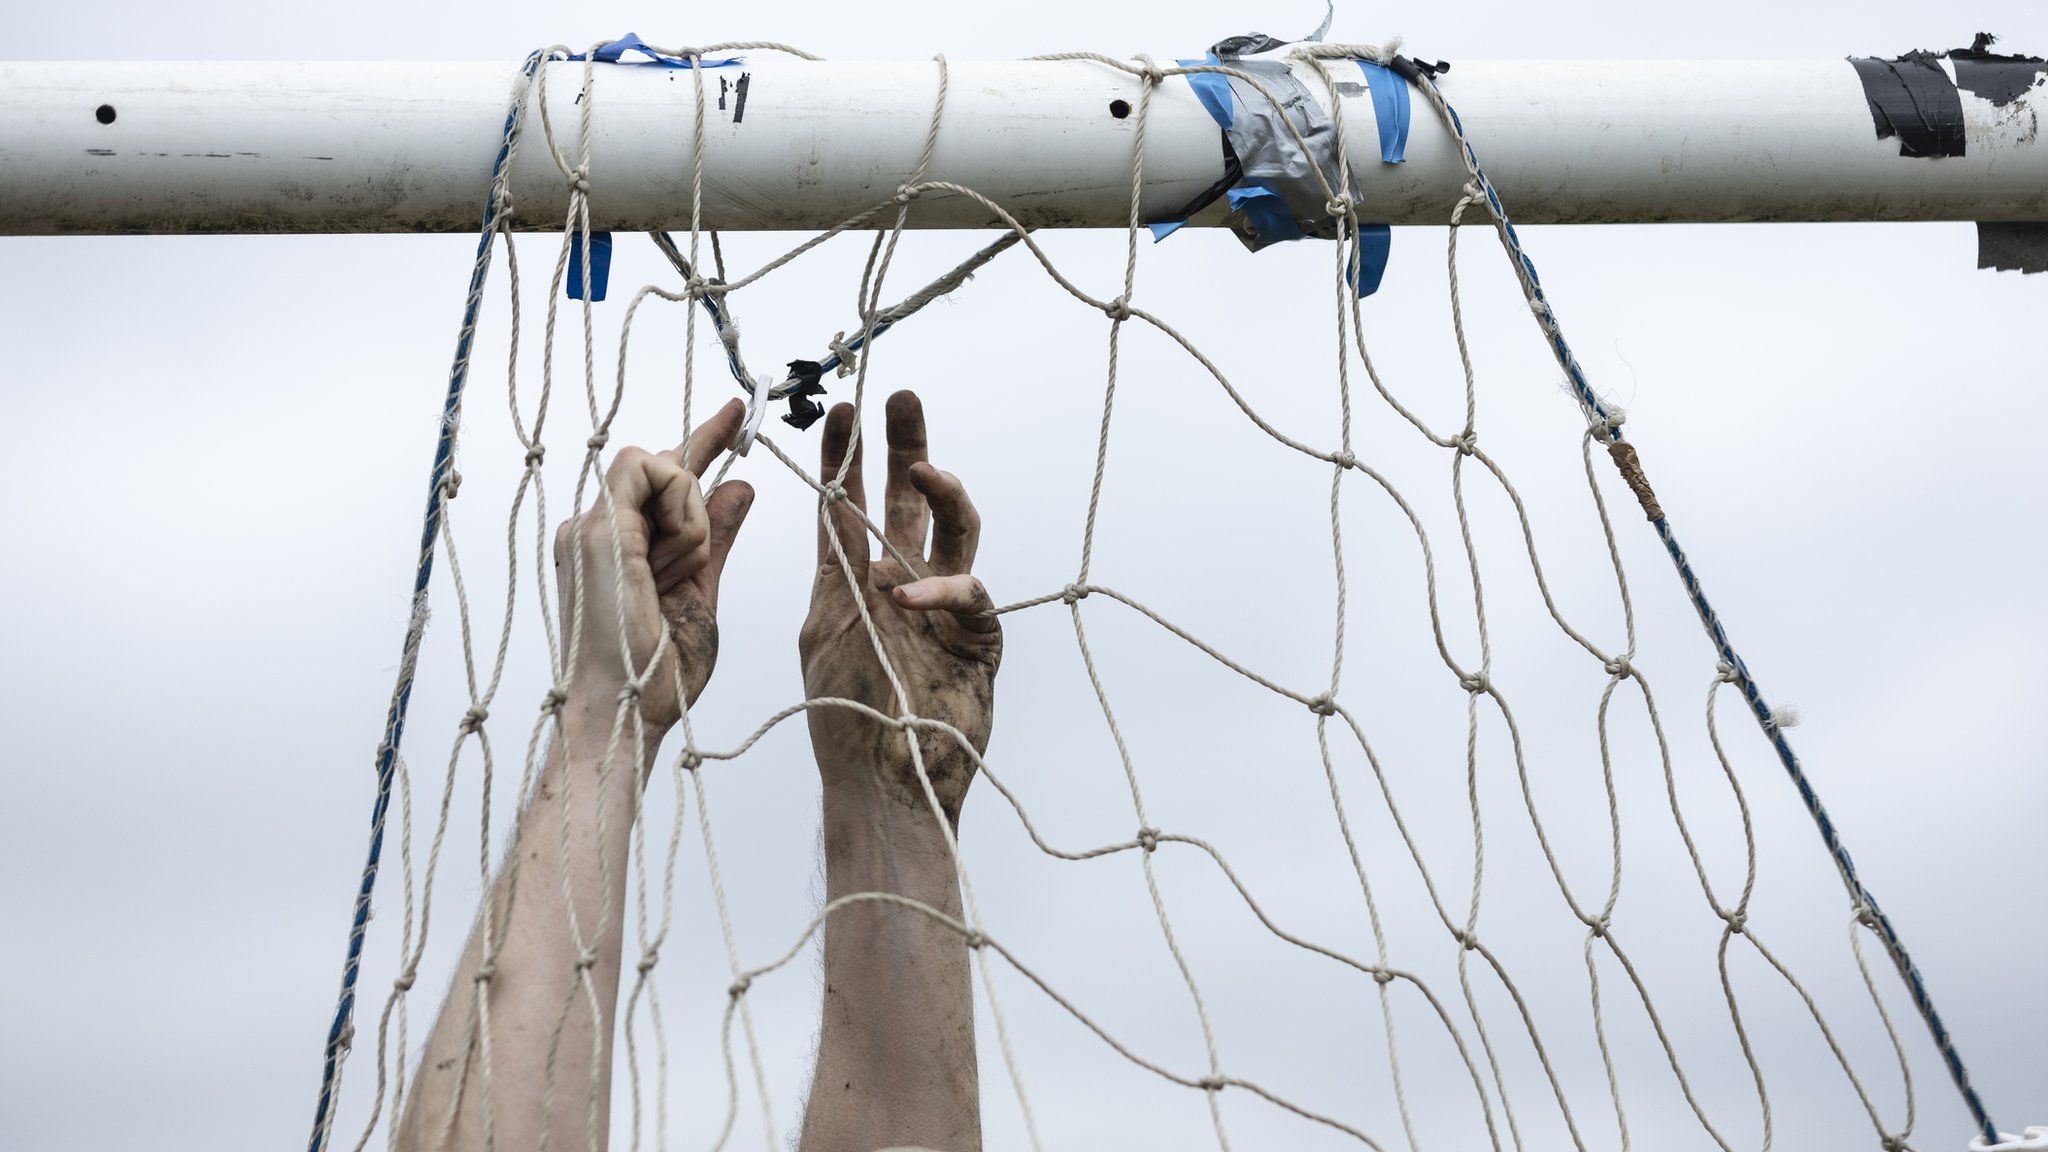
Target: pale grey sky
x,y
213,454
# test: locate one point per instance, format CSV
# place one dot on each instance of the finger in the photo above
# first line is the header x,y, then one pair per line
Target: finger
x,y
839,426
659,508
960,594
710,440
726,509
908,515
956,526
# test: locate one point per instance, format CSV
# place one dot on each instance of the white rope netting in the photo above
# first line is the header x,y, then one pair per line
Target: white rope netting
x,y
1469,1016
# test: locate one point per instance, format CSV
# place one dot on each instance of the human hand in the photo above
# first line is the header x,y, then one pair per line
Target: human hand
x,y
657,592
933,620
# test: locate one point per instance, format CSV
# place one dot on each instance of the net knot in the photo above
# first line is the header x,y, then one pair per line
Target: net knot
x,y
1608,423
586,959
404,982
485,971
848,363
1893,1143
556,697
1724,672
1211,1083
1466,442
1620,668
1597,925
977,939
1118,309
905,193
834,492
1148,839
451,484
535,453
1339,206
597,441
690,760
740,986
1322,705
1736,919
1381,975
579,180
1073,592
505,207
1467,941
695,287
1474,682
1344,460
648,962
1866,916
1146,68
630,694
473,719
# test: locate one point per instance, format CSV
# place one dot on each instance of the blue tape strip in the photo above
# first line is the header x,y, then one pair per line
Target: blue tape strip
x,y
1265,212
631,42
600,267
1390,108
1369,259
1212,89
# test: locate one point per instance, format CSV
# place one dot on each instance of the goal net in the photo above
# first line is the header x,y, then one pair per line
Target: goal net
x,y
1371,767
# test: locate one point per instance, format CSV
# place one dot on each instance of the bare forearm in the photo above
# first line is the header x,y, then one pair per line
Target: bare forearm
x,y
896,1063
533,973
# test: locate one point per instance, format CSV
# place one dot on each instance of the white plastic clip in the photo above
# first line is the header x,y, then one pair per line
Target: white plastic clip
x,y
757,407
2034,1139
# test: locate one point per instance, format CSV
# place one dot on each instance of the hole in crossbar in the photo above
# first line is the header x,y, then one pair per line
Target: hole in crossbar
x,y
1119,108
104,114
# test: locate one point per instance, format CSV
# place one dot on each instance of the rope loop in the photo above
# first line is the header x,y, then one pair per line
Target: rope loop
x,y
1322,705
848,364
1118,309
1339,207
1148,838
1608,423
1724,672
451,484
1148,70
1474,682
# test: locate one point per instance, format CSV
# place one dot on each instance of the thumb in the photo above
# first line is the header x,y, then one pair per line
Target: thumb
x,y
726,509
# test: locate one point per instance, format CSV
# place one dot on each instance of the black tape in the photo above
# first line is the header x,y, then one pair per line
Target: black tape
x,y
803,411
2012,247
1911,98
1999,79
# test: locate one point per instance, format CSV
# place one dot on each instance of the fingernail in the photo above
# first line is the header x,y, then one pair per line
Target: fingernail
x,y
911,593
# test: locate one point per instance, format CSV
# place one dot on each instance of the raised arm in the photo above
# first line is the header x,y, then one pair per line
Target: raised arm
x,y
896,1063
671,547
